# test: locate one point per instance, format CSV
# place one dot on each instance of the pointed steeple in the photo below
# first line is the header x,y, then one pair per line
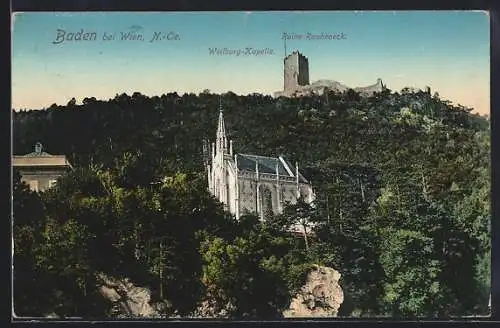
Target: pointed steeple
x,y
221,132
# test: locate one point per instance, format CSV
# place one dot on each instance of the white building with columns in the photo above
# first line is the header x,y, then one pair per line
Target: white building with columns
x,y
252,184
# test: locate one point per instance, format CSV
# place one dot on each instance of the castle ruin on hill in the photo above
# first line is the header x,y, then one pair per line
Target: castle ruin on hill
x,y
296,80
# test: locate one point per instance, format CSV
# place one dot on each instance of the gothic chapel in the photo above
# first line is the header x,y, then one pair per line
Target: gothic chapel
x,y
255,184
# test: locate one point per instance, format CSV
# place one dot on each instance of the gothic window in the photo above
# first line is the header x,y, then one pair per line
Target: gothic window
x,y
267,202
228,190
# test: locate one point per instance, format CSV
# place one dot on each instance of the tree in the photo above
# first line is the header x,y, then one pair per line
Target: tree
x,y
243,278
71,102
407,162
300,215
28,219
412,287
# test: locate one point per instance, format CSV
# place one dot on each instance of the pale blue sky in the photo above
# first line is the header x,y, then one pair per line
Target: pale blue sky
x,y
446,50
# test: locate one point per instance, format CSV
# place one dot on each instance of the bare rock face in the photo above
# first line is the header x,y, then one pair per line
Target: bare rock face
x,y
321,295
128,300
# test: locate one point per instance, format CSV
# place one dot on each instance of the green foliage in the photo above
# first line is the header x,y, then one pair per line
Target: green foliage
x,y
253,276
412,286
53,272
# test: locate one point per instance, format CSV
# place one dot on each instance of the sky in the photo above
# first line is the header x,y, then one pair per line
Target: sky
x,y
446,50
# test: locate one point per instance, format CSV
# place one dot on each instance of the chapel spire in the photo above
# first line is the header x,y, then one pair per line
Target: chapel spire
x,y
221,131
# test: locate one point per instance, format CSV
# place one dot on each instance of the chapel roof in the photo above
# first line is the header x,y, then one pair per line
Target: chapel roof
x,y
267,165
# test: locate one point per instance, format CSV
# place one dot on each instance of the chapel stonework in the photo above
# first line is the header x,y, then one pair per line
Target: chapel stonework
x,y
248,184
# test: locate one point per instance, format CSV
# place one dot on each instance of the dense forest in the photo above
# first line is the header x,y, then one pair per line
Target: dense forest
x,y
402,210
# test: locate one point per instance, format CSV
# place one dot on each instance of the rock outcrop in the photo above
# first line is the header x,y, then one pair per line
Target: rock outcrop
x,y
321,295
128,300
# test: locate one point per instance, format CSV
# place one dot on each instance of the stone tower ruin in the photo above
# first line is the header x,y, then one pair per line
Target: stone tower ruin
x,y
296,71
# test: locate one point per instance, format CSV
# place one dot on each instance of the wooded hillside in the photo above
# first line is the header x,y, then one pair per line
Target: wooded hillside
x,y
403,204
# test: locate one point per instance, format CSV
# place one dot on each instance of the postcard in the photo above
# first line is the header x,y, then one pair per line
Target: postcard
x,y
251,165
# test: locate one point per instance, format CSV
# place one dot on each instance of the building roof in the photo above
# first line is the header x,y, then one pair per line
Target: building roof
x,y
51,160
267,165
40,158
